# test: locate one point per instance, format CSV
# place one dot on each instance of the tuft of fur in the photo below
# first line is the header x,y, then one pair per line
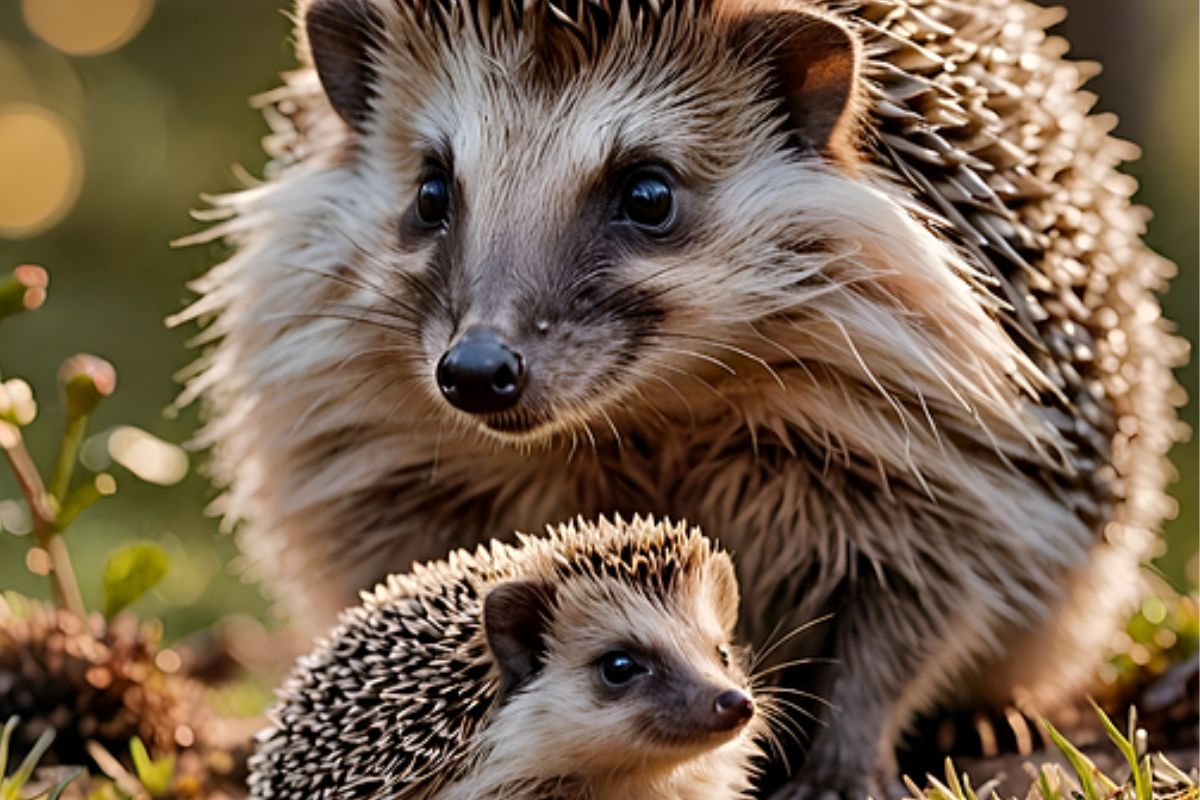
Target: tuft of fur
x,y
407,697
904,351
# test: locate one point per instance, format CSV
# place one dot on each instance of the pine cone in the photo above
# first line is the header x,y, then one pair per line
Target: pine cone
x,y
92,682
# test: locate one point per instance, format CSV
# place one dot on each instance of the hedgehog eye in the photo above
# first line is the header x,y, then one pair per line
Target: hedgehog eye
x,y
723,654
433,200
648,201
618,668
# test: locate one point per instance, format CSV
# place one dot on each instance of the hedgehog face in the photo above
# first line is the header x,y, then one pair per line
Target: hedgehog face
x,y
572,215
604,678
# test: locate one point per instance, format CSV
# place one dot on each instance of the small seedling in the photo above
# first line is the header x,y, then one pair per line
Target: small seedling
x,y
11,787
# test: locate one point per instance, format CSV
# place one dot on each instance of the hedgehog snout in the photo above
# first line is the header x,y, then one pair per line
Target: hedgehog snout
x,y
481,373
731,710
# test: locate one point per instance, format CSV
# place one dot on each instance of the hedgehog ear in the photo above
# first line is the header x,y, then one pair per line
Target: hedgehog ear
x,y
815,61
724,586
515,614
342,35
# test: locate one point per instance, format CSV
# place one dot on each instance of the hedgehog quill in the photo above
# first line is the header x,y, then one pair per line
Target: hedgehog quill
x,y
592,664
856,284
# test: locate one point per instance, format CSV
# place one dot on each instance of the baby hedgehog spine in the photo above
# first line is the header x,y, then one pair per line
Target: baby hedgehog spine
x,y
591,664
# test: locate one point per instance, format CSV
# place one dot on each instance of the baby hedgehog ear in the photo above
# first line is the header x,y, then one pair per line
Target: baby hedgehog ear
x,y
515,615
341,35
815,61
725,595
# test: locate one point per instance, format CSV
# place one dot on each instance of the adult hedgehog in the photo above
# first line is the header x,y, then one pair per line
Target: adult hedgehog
x,y
856,284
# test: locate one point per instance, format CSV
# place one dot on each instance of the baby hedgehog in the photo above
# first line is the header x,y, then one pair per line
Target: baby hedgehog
x,y
593,663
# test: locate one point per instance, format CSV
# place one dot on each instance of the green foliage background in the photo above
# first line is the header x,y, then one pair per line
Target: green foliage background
x,y
165,117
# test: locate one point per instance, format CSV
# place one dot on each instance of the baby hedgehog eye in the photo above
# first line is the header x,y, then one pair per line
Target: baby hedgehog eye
x,y
723,654
618,668
433,200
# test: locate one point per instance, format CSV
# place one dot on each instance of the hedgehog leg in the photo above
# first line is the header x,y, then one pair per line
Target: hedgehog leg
x,y
883,642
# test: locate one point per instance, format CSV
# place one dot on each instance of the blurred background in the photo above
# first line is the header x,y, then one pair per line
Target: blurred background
x,y
115,115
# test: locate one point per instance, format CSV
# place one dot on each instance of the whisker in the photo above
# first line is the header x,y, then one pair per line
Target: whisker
x,y
631,287
375,351
799,629
746,354
366,407
771,735
796,662
611,426
691,376
703,357
784,723
799,709
574,444
398,403
361,285
651,405
766,644
772,690
312,315
674,390
788,723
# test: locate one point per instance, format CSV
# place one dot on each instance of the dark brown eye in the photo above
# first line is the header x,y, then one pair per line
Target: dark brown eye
x,y
648,201
433,200
723,654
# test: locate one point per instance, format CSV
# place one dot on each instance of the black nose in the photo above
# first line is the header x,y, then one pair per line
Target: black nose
x,y
732,709
481,374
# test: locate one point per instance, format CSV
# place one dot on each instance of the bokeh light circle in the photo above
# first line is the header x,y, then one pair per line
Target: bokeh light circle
x,y
41,169
86,27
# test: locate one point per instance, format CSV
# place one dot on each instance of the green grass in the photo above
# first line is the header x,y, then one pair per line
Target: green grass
x,y
1149,776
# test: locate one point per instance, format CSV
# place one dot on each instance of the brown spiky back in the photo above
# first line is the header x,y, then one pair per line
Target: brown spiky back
x,y
392,701
975,108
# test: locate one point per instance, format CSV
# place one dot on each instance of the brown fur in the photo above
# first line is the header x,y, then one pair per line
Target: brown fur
x,y
908,362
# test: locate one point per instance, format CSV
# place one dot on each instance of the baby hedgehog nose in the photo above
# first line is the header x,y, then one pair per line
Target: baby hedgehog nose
x,y
481,374
733,708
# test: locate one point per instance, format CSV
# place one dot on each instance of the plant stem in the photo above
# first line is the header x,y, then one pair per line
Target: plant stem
x,y
62,574
83,496
28,480
45,529
64,462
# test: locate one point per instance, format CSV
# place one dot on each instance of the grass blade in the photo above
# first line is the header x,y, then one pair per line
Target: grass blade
x,y
5,739
62,785
23,773
1084,769
1141,782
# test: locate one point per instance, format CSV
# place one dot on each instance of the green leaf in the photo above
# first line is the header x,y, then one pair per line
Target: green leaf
x,y
23,773
940,791
1084,769
5,738
153,773
130,572
1141,784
